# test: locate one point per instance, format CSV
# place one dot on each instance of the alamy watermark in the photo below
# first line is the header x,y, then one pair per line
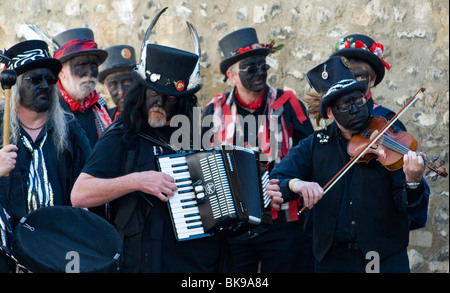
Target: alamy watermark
x,y
186,133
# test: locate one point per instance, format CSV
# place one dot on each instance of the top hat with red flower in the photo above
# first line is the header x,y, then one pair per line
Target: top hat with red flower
x,y
28,55
77,42
241,44
363,47
120,58
333,79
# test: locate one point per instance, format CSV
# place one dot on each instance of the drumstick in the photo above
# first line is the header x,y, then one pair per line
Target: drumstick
x,y
8,79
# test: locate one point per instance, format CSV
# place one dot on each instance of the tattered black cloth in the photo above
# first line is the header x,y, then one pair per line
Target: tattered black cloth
x,y
59,239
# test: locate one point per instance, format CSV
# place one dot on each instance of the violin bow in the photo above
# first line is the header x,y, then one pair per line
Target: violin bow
x,y
373,139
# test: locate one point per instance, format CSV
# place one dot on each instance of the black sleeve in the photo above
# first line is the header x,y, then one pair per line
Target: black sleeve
x,y
105,160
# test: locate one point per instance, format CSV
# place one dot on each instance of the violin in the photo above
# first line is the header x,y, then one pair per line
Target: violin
x,y
388,149
379,141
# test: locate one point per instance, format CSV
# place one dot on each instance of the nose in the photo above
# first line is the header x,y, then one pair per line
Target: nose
x,y
353,109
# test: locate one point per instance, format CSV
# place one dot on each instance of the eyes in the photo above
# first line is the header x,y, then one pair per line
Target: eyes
x,y
114,84
38,79
153,94
254,68
345,107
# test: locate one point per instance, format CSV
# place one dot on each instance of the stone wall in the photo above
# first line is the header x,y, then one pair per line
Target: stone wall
x,y
415,34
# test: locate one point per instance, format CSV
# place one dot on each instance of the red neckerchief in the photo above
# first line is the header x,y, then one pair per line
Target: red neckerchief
x,y
91,99
254,105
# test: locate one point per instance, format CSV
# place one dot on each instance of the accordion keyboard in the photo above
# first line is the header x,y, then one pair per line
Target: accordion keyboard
x,y
183,205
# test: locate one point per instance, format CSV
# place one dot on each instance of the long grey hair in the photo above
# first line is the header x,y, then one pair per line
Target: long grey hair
x,y
56,115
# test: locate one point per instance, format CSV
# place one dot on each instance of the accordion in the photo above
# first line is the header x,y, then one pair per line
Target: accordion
x,y
218,190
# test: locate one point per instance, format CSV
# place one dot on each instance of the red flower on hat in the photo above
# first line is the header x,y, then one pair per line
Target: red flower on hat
x,y
270,46
377,49
242,50
359,45
179,85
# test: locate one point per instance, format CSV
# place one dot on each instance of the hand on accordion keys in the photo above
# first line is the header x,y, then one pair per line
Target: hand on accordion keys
x,y
273,190
157,183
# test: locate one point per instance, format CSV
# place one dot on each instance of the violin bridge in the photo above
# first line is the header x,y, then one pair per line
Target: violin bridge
x,y
374,134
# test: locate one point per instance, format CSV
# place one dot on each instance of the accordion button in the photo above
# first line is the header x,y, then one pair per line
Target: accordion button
x,y
199,188
200,195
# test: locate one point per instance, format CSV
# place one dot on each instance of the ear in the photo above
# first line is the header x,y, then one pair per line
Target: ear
x,y
232,76
330,113
371,82
62,73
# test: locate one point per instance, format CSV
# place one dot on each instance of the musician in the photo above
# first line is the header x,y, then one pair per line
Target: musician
x,y
367,63
367,209
81,59
245,67
48,148
116,75
126,175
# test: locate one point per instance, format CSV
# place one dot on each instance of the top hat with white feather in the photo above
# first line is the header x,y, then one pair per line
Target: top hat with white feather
x,y
168,70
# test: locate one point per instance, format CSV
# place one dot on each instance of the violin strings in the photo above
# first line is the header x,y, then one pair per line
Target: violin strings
x,y
396,146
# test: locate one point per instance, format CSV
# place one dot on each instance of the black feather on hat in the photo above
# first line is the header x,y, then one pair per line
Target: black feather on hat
x,y
333,79
362,47
29,55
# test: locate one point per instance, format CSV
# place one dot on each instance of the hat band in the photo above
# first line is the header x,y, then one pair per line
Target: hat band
x,y
165,81
270,46
75,46
340,85
27,56
376,48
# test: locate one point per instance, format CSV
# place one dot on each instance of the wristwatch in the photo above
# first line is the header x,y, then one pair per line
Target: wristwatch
x,y
413,185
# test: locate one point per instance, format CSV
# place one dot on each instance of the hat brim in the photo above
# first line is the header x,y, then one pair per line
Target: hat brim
x,y
103,74
226,63
164,90
328,100
102,54
53,64
367,56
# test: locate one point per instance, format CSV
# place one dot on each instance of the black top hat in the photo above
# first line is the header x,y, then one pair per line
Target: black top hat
x,y
168,70
77,42
238,45
333,79
363,47
120,58
29,55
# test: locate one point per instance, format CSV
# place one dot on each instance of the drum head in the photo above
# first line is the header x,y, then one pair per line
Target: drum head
x,y
5,231
60,239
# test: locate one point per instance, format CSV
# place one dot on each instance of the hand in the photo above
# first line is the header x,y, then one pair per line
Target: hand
x,y
413,166
273,190
158,184
310,191
8,157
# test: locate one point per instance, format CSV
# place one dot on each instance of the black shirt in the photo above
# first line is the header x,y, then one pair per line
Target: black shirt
x,y
161,252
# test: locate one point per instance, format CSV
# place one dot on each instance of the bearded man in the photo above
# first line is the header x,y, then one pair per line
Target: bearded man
x,y
80,60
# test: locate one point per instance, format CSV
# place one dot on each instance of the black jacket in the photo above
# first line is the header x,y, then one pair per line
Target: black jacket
x,y
12,194
380,201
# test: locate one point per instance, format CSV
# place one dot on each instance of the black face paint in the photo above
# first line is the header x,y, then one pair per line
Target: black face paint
x,y
82,66
354,119
168,103
118,85
252,80
35,89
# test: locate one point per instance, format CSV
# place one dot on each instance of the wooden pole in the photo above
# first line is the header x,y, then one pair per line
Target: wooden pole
x,y
8,79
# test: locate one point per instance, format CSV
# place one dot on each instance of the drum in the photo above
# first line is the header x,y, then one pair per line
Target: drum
x,y
5,231
63,239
